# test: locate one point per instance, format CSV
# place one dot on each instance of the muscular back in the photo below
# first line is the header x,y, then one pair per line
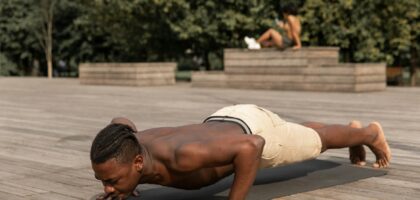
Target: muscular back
x,y
194,156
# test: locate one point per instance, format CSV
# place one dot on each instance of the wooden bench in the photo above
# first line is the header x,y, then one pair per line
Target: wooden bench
x,y
127,74
311,69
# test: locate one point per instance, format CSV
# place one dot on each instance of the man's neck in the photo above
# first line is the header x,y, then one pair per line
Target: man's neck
x,y
150,173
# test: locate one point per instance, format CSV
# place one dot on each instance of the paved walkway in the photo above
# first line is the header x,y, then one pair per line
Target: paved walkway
x,y
46,127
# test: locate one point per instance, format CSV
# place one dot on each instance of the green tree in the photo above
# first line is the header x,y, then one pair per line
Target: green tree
x,y
43,29
365,30
17,44
166,29
24,35
186,30
6,66
207,32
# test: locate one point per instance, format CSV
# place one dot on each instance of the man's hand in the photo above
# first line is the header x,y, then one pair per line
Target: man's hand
x,y
105,196
136,193
109,196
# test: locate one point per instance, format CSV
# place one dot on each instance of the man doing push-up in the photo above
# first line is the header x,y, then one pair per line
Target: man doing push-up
x,y
237,140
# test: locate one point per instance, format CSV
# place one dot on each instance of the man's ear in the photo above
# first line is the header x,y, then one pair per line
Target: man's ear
x,y
138,162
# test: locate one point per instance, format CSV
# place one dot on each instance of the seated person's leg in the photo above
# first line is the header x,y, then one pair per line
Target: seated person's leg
x,y
277,38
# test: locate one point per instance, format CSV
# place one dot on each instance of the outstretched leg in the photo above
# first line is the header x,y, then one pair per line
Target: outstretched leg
x,y
340,136
357,153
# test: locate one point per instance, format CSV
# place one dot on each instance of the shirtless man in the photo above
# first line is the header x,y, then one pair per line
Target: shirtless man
x,y
236,139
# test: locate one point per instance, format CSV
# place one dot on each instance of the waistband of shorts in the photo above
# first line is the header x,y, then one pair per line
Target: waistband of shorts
x,y
235,120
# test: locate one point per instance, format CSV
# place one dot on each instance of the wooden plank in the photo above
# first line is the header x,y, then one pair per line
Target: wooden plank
x,y
209,79
27,168
335,79
263,54
44,155
360,68
39,116
124,69
301,70
127,75
331,193
378,190
368,87
303,49
302,196
19,190
307,86
265,70
203,76
293,86
369,68
137,64
127,82
53,196
64,189
8,196
266,62
260,55
209,84
322,61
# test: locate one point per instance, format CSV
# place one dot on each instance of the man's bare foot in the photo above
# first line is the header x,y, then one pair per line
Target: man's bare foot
x,y
357,153
379,146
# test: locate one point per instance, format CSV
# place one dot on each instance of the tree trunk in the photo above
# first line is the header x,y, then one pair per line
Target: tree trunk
x,y
50,67
49,20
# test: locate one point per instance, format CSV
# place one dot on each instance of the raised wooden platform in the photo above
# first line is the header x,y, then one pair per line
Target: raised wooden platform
x,y
47,127
311,69
127,74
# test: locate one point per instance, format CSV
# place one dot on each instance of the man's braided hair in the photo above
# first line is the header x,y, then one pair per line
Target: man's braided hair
x,y
115,141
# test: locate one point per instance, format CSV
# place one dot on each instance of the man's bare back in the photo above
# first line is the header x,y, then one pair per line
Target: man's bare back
x,y
180,152
193,156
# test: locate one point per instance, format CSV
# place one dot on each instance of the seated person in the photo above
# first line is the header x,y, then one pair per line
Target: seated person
x,y
283,35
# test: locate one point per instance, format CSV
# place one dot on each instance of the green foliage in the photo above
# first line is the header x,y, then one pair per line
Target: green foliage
x,y
194,33
7,67
164,30
365,30
16,42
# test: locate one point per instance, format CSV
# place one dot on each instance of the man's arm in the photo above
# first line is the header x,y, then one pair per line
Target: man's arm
x,y
125,121
241,151
246,164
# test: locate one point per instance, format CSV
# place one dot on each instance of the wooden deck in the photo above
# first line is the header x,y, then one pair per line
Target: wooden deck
x,y
46,128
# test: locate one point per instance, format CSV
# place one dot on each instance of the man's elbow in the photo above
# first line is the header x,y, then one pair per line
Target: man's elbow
x,y
255,143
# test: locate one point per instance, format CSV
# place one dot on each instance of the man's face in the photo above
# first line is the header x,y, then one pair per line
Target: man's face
x,y
119,179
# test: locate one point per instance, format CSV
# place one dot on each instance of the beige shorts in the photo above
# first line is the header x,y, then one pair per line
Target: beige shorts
x,y
285,142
